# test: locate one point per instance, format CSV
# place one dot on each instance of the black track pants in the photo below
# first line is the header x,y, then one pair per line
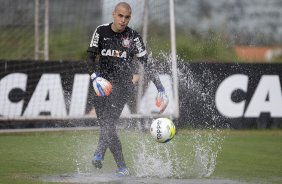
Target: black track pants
x,y
108,111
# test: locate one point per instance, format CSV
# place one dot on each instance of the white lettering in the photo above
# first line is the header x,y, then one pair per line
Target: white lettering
x,y
108,53
123,55
7,84
223,100
266,98
139,45
79,95
95,40
47,98
113,53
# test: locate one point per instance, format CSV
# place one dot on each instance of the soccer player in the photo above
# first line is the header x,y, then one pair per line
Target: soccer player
x,y
116,45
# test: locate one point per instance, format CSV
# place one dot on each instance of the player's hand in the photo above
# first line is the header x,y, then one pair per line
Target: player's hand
x,y
162,100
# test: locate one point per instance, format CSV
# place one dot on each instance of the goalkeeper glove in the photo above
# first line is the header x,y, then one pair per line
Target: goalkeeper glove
x,y
162,100
102,87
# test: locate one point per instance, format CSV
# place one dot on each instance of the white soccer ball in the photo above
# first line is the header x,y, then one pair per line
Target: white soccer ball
x,y
102,87
162,130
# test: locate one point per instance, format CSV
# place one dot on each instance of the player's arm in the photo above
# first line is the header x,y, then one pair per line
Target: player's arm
x,y
101,86
162,99
91,62
92,53
152,74
142,56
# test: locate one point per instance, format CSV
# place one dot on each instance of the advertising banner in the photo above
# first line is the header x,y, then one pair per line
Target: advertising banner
x,y
209,93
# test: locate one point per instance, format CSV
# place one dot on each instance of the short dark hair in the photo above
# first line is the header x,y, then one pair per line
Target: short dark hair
x,y
124,4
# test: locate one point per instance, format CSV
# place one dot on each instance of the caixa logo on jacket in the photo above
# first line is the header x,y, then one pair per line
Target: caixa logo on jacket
x,y
267,97
114,53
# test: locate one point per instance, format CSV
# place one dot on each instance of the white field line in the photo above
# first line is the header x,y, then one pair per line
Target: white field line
x,y
24,130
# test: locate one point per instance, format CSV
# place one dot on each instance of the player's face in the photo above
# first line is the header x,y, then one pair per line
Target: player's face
x,y
121,17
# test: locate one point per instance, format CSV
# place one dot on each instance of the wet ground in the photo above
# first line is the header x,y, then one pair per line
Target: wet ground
x,y
104,178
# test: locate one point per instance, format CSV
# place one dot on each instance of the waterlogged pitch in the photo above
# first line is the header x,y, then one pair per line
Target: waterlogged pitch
x,y
193,156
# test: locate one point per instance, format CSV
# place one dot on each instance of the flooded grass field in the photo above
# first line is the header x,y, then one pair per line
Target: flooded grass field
x,y
193,156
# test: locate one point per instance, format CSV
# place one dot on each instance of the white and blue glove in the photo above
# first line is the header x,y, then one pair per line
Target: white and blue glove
x,y
102,87
162,100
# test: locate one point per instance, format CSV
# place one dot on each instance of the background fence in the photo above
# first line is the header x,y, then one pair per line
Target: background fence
x,y
205,29
70,25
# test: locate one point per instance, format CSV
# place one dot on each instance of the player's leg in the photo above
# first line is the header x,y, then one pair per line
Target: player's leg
x,y
116,149
109,138
102,146
101,149
108,113
118,98
108,110
114,143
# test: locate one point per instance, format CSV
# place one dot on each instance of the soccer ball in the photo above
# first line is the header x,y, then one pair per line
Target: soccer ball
x,y
162,130
102,87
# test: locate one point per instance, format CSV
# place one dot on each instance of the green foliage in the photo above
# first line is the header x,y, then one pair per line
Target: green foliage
x,y
277,59
16,45
193,48
72,43
69,45
212,48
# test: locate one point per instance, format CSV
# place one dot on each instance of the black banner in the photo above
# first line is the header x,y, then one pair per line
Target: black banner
x,y
235,95
210,94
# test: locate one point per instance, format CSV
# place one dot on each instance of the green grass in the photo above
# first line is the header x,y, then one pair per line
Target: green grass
x,y
252,156
26,155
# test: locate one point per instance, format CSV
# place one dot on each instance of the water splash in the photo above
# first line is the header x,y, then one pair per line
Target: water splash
x,y
155,159
207,145
83,149
190,154
195,154
208,140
